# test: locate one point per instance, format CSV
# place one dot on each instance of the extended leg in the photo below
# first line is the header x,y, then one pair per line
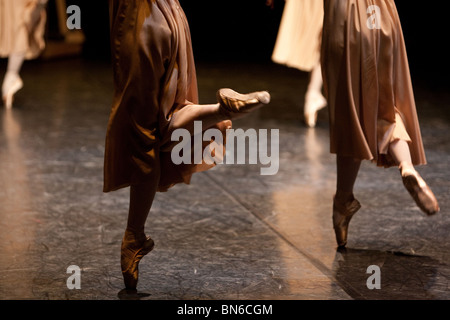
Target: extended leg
x,y
416,186
231,105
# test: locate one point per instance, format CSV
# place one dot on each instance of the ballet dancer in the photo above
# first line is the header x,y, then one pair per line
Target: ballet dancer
x,y
22,26
372,108
155,93
298,46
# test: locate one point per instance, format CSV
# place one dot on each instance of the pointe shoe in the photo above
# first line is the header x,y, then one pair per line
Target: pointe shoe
x,y
235,105
133,249
420,192
9,90
342,214
314,101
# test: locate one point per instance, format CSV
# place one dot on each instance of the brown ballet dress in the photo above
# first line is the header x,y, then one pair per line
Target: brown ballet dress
x,y
154,78
367,81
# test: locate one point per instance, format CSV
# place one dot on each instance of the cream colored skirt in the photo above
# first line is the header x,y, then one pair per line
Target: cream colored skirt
x,y
298,40
22,27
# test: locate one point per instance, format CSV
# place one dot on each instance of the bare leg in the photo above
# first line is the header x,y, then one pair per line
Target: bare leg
x,y
12,81
314,100
232,105
399,150
316,81
209,115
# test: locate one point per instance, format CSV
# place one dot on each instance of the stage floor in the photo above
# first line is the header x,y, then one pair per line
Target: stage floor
x,y
232,233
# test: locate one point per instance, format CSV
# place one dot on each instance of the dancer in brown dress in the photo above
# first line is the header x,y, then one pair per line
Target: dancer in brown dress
x,y
372,109
22,26
155,93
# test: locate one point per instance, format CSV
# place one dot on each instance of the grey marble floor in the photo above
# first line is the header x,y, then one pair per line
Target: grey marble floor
x,y
232,233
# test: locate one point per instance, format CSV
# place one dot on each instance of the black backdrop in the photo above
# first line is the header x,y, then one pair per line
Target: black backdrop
x,y
246,30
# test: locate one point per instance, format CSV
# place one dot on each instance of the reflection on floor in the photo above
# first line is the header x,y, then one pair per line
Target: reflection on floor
x,y
232,233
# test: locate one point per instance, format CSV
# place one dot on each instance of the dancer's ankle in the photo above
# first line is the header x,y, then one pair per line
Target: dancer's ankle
x,y
344,197
406,167
137,234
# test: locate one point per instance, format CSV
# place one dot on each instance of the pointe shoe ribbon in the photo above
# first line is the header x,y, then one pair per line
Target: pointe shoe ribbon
x,y
342,214
133,249
420,192
235,104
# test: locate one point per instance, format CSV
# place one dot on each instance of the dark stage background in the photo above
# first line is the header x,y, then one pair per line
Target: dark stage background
x,y
245,30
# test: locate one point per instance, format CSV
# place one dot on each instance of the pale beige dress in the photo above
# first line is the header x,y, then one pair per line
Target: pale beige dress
x,y
367,81
299,35
22,27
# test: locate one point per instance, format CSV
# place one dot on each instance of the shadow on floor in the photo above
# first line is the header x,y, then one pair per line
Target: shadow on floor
x,y
402,276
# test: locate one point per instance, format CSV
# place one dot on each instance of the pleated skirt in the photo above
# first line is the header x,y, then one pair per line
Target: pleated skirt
x,y
367,81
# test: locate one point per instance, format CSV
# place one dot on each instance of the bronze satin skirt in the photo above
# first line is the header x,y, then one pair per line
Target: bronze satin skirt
x,y
22,27
298,41
154,78
367,81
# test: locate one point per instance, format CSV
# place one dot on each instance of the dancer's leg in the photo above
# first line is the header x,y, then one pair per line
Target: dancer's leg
x,y
135,244
347,172
414,183
232,105
400,152
12,81
314,100
315,81
141,200
209,115
345,205
15,62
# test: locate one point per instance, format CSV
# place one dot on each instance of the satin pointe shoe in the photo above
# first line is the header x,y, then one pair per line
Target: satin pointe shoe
x,y
133,249
9,89
342,214
235,105
314,102
420,192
